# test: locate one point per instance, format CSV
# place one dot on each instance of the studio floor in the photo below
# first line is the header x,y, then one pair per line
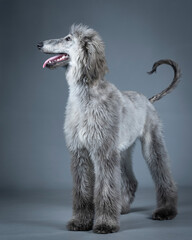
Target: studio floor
x,y
36,215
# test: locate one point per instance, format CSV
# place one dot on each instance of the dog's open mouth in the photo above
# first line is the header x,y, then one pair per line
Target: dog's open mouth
x,y
61,58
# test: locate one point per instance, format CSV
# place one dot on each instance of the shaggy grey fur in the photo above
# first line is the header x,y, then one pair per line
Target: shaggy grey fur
x,y
101,127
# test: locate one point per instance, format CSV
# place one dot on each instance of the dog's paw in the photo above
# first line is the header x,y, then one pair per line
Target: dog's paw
x,y
79,225
125,209
104,228
164,214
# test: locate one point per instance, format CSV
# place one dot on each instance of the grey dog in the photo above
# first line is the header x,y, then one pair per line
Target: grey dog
x,y
101,127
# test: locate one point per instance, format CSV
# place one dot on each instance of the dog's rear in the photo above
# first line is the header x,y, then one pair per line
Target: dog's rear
x,y
101,127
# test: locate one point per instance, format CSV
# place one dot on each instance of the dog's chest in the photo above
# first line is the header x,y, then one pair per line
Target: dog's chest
x,y
83,127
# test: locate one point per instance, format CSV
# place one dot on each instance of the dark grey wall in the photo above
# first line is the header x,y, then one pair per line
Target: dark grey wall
x,y
32,99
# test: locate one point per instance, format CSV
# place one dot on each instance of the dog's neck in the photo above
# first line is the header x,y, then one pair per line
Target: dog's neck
x,y
80,88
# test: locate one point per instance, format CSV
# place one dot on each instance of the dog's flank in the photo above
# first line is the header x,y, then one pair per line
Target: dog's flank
x,y
101,127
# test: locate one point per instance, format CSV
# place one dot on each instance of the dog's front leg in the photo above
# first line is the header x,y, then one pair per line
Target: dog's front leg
x,y
107,193
83,187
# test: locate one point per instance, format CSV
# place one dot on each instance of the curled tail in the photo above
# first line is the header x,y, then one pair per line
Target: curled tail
x,y
177,75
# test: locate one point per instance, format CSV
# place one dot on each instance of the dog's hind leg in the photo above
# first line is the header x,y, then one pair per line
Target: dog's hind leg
x,y
156,156
83,187
128,180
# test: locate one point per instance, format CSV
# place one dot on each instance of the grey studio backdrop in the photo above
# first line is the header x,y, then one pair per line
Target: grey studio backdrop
x,y
32,99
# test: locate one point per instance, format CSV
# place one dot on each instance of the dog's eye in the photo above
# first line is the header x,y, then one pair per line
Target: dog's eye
x,y
68,39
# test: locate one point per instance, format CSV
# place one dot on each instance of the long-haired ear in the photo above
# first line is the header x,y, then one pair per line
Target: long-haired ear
x,y
95,66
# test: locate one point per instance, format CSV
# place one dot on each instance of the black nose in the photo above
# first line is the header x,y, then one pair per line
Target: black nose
x,y
40,45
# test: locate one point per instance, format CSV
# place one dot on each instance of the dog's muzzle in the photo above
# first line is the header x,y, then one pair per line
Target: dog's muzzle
x,y
40,45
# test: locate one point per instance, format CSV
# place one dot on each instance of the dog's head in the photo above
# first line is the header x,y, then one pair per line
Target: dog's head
x,y
82,47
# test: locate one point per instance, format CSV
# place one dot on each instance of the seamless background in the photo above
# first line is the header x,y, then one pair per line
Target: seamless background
x,y
32,99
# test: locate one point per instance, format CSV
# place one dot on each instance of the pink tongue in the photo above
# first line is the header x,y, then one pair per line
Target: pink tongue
x,y
51,59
